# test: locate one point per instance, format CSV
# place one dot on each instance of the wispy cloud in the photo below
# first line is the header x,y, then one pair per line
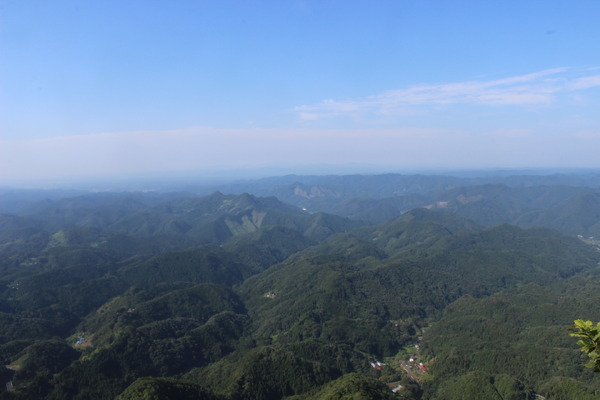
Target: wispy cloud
x,y
587,82
537,88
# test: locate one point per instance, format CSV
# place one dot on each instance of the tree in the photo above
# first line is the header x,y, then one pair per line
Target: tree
x,y
589,341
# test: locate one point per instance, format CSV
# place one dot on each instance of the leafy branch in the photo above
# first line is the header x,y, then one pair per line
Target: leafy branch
x,y
589,341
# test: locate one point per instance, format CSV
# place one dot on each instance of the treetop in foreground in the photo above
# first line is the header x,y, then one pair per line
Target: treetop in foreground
x,y
589,341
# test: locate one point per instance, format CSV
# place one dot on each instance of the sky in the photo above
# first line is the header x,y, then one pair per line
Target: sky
x,y
109,88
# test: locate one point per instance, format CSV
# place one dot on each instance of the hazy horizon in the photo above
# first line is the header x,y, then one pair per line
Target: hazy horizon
x,y
212,179
109,90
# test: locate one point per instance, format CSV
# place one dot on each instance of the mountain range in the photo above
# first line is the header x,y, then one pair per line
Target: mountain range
x,y
305,288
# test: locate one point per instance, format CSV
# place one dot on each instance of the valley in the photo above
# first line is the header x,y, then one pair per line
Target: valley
x,y
302,287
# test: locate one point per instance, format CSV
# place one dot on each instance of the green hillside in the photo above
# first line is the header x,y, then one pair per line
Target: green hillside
x,y
349,289
231,297
518,334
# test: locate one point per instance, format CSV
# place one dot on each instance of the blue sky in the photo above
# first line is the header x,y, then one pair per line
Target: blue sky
x,y
113,88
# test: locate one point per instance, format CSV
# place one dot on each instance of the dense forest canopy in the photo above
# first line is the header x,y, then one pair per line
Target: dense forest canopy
x,y
302,287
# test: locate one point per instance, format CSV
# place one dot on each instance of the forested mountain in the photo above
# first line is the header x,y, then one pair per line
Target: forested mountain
x,y
560,201
350,288
181,296
569,209
208,219
332,193
516,335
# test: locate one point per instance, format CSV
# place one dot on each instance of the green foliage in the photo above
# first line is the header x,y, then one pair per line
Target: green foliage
x,y
226,291
37,364
164,389
351,387
169,310
20,327
203,264
477,385
10,350
589,341
518,333
136,353
564,388
350,290
272,372
218,217
266,247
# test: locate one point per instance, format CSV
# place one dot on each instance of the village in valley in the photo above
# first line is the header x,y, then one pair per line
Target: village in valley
x,y
406,365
